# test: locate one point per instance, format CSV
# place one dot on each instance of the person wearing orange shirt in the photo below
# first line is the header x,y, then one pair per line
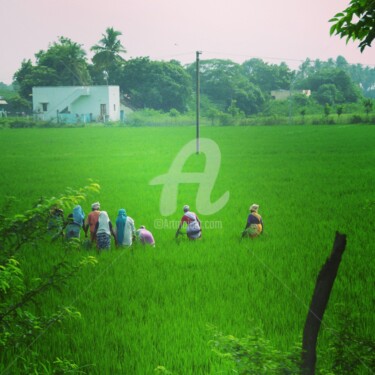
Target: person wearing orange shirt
x,y
92,219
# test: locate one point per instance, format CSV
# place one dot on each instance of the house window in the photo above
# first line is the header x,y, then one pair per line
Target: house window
x,y
44,107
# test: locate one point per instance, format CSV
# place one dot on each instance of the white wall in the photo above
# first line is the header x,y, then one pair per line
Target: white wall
x,y
80,100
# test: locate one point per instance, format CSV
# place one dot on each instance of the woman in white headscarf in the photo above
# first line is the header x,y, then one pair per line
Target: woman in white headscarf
x,y
103,231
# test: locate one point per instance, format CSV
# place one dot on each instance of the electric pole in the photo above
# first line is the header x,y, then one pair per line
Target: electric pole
x,y
198,98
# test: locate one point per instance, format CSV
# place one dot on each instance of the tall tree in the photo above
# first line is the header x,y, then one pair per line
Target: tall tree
x,y
156,84
268,76
68,60
321,81
29,76
63,64
223,81
107,59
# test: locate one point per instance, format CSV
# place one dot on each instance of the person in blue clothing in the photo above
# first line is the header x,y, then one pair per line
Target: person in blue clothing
x,y
74,224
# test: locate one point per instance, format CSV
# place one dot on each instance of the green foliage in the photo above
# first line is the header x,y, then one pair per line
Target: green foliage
x,y
268,76
20,326
330,85
327,94
233,110
63,64
363,77
348,352
339,110
107,61
68,61
156,84
300,100
143,307
356,22
166,85
223,81
327,109
162,370
16,104
368,104
174,113
254,354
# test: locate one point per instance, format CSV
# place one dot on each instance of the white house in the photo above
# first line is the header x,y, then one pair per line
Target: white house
x,y
285,94
3,103
73,104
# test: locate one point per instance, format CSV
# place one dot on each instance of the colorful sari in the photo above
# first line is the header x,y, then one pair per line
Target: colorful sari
x,y
255,225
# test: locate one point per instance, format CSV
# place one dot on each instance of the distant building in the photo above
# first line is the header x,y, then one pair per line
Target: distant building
x,y
3,103
73,104
285,94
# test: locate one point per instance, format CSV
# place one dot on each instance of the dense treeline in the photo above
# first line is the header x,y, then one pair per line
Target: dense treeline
x,y
226,86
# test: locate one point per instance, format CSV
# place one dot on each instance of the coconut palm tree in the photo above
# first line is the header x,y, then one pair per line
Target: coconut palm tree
x,y
107,54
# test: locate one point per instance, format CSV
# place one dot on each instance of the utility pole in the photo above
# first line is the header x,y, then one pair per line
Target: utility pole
x,y
198,98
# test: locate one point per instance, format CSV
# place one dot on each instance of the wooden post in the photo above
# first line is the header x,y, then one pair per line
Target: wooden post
x,y
323,287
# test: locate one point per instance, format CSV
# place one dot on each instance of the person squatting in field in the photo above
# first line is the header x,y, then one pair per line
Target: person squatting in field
x,y
193,230
125,229
92,219
103,231
145,236
74,223
254,225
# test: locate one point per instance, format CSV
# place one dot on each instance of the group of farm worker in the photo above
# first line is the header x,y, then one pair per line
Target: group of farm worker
x,y
100,227
254,224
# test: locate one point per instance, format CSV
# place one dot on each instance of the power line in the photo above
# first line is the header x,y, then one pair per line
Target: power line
x,y
248,57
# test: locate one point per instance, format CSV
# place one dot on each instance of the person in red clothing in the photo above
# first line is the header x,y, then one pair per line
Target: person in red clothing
x,y
193,229
92,219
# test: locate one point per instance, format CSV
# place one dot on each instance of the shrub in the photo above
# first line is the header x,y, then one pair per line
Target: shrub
x,y
19,325
254,354
356,119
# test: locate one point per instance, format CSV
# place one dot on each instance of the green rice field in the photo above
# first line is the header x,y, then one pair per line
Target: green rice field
x,y
146,307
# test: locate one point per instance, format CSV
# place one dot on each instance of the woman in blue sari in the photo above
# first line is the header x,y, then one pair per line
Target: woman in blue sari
x,y
125,229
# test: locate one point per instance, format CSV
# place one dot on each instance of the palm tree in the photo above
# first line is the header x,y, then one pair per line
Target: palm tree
x,y
107,53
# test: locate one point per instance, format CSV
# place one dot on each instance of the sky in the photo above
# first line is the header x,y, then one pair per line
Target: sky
x,y
272,30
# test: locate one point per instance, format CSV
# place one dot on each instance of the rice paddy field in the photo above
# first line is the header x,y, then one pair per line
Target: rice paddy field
x,y
146,307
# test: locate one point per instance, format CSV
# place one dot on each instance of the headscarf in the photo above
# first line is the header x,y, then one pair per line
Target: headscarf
x,y
95,206
103,220
254,207
78,215
120,225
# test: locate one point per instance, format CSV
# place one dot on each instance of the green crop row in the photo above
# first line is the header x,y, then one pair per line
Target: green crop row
x,y
147,307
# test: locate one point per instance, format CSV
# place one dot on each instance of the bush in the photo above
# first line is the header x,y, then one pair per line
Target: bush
x,y
19,324
356,119
254,354
348,352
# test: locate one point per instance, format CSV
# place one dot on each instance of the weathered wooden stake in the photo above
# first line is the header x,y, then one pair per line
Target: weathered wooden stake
x,y
323,287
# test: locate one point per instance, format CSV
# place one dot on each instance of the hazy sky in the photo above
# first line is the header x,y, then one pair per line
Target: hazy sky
x,y
273,30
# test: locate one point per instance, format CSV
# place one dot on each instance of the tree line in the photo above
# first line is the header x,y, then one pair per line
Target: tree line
x,y
226,86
